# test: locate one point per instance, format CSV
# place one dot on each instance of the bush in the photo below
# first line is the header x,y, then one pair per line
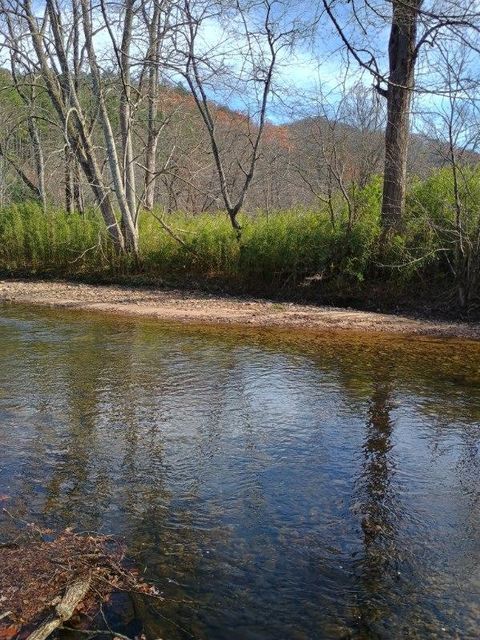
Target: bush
x,y
296,252
33,241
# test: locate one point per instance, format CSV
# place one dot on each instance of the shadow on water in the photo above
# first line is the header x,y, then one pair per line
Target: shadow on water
x,y
271,484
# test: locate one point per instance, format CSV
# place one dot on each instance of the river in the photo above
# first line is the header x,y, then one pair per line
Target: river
x,y
272,485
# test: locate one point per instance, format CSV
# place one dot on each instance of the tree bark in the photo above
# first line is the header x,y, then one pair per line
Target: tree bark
x,y
152,140
129,227
64,610
402,56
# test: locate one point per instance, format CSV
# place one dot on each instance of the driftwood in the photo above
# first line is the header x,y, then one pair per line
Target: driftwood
x,y
46,580
64,609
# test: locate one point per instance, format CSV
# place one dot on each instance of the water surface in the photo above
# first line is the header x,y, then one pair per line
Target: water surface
x,y
272,485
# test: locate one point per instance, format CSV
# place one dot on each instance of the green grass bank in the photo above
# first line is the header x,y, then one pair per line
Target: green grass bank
x,y
321,255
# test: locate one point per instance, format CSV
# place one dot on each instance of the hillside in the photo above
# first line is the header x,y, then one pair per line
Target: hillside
x,y
301,163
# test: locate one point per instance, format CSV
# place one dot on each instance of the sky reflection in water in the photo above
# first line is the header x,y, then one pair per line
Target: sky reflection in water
x,y
271,485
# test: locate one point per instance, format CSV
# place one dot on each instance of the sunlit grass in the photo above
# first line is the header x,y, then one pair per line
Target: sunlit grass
x,y
293,251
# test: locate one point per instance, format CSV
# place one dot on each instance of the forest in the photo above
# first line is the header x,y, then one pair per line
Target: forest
x,y
323,151
239,319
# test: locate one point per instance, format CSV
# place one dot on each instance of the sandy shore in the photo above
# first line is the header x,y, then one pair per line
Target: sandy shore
x,y
198,307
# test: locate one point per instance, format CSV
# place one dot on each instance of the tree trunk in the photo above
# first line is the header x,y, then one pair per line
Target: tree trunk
x,y
126,112
402,55
69,204
77,189
39,160
128,222
152,140
151,149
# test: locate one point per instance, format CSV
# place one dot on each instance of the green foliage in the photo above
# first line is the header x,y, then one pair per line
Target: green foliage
x,y
294,253
33,241
275,252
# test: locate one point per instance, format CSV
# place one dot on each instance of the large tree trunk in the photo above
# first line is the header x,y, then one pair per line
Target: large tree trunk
x,y
402,55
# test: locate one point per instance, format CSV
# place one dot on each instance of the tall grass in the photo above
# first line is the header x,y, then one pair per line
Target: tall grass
x,y
297,253
35,242
275,254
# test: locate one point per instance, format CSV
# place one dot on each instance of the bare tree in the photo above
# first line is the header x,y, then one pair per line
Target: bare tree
x,y
454,124
48,36
413,25
157,22
21,70
123,185
70,60
339,146
261,35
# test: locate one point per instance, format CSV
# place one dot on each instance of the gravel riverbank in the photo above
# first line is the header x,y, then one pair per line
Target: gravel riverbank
x,y
199,307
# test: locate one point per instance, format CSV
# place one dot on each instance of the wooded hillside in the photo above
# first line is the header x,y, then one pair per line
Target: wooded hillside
x,y
156,106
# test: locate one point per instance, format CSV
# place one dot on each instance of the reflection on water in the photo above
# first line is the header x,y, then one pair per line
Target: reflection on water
x,y
272,485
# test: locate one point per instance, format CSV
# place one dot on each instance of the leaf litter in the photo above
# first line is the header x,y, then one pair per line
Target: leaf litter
x,y
39,571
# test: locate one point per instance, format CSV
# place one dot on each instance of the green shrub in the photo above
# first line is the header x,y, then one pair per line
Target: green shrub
x,y
294,252
33,241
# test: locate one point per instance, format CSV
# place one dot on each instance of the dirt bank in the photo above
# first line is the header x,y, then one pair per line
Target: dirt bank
x,y
198,307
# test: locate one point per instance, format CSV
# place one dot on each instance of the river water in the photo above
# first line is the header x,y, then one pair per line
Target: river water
x,y
273,485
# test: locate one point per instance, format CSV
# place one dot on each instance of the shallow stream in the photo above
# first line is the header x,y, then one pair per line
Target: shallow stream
x,y
273,485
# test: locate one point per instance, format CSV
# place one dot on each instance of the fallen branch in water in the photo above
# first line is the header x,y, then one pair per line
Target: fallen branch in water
x,y
47,580
97,632
64,610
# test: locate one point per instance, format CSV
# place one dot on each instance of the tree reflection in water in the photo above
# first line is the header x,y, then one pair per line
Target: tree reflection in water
x,y
377,504
318,489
